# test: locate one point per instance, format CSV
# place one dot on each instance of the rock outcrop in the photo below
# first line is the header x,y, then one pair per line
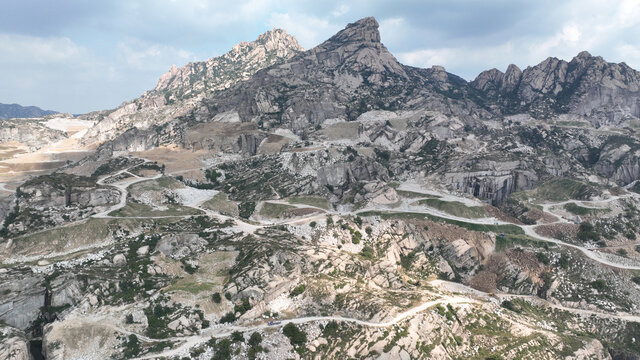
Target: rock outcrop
x,y
21,300
29,133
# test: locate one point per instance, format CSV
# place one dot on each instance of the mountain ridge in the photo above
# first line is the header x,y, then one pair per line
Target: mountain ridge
x,y
9,111
333,203
179,88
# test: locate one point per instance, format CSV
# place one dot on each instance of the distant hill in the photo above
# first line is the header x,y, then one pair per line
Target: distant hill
x,y
8,111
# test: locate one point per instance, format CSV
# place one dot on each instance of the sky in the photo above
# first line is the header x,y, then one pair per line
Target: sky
x,y
78,56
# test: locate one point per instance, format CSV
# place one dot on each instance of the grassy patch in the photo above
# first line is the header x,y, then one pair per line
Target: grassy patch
x,y
562,189
65,238
311,200
415,195
582,211
501,229
165,182
510,241
455,208
222,204
273,210
191,286
141,210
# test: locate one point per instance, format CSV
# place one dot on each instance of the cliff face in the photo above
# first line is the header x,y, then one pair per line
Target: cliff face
x,y
30,133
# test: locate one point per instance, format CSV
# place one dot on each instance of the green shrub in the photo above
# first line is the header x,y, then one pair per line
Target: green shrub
x,y
216,298
237,336
599,284
246,209
297,337
298,290
508,304
228,318
222,350
242,308
131,347
255,339
367,252
587,232
543,258
331,329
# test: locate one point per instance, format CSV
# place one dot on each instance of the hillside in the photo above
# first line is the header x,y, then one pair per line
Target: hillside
x,y
333,203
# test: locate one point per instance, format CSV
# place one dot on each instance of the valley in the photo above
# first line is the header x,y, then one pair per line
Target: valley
x,y
276,203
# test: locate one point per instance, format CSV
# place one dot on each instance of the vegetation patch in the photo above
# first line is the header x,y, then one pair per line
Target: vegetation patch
x,y
583,211
133,209
311,200
562,189
220,203
455,208
273,210
509,241
500,229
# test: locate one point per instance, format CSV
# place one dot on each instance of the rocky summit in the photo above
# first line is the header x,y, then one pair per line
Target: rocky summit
x,y
330,203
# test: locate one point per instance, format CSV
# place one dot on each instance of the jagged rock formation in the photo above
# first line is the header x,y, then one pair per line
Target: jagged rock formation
x,y
347,75
51,200
21,301
180,88
607,94
335,184
11,111
202,78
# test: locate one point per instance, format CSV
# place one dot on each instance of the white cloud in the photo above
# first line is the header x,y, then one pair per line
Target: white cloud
x,y
457,60
309,30
31,49
340,10
140,55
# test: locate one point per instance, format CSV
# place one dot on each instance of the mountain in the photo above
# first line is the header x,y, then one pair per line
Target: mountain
x,y
334,203
607,94
180,88
10,111
345,76
352,74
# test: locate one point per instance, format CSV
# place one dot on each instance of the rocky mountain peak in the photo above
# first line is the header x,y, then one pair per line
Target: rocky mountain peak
x,y
181,87
357,48
269,48
363,30
583,54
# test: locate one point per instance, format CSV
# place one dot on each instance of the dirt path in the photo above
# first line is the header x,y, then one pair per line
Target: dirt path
x,y
473,297
464,289
224,331
608,259
122,187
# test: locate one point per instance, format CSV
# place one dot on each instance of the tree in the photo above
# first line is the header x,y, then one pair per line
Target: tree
x,y
255,339
216,298
297,337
